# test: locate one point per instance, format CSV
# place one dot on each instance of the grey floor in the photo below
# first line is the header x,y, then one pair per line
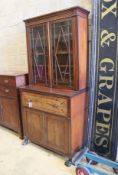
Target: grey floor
x,y
16,159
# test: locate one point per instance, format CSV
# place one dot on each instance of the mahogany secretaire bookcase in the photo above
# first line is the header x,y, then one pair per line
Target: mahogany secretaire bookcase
x,y
54,104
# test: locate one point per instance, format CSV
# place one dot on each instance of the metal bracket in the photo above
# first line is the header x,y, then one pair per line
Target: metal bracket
x,y
25,141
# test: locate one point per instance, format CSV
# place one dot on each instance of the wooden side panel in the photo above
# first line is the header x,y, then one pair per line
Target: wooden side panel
x,y
78,120
83,51
57,133
29,55
0,112
46,103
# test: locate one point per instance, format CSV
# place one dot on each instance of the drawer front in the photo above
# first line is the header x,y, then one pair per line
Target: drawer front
x,y
7,81
8,91
45,103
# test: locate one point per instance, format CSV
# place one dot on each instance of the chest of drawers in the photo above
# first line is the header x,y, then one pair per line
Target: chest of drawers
x,y
9,99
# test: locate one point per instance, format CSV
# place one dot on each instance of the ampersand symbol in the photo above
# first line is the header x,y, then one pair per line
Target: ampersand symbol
x,y
106,37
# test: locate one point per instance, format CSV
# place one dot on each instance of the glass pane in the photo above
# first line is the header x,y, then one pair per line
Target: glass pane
x,y
40,55
62,53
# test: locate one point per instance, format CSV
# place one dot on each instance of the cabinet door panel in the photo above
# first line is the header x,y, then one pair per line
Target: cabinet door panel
x,y
57,133
10,113
33,122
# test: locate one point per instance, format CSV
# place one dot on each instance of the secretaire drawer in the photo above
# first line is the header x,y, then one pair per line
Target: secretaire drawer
x,y
7,80
8,91
45,103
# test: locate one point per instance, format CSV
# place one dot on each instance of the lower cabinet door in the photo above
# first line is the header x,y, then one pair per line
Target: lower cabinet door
x,y
48,130
33,124
57,129
10,112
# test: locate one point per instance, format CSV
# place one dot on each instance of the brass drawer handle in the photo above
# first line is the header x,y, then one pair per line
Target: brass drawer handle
x,y
6,81
7,90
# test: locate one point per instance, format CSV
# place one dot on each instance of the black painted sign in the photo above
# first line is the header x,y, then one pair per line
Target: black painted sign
x,y
105,104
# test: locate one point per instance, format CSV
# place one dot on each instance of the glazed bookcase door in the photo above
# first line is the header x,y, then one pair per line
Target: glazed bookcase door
x,y
39,54
62,53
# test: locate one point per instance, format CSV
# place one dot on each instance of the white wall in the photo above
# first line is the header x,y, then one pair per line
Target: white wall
x,y
13,52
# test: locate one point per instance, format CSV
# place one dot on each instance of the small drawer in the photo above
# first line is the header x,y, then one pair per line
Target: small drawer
x,y
45,103
8,91
7,80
